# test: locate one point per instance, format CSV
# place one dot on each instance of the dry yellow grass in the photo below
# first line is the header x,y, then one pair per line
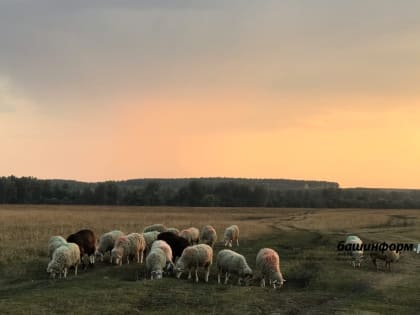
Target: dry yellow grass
x,y
305,238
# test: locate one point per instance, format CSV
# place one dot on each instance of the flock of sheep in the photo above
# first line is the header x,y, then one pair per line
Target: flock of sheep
x,y
166,250
388,256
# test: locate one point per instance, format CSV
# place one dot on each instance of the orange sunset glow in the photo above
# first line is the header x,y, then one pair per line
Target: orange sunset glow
x,y
232,89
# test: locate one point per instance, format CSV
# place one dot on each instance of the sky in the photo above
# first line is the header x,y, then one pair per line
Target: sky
x,y
111,90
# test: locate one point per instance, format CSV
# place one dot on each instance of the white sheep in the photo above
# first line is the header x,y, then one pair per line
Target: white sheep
x,y
64,257
389,256
230,262
192,235
268,264
166,249
155,227
193,257
150,237
130,245
53,243
208,235
173,230
155,263
107,243
231,235
357,255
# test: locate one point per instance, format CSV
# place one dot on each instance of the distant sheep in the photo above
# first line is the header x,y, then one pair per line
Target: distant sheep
x,y
131,245
208,235
177,243
230,262
107,242
155,263
194,257
53,243
64,257
192,235
389,256
172,230
155,227
231,235
268,264
150,237
86,240
357,255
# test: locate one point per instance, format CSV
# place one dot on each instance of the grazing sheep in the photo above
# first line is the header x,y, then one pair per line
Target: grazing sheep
x,y
165,247
173,230
64,257
155,263
230,262
231,235
177,243
87,244
208,235
127,246
150,237
155,227
53,243
268,264
193,257
357,255
107,243
389,256
192,235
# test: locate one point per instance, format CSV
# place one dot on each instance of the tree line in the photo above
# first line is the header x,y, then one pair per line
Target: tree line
x,y
30,190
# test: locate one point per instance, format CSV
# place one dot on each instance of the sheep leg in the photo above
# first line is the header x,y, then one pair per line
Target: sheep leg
x,y
226,277
75,270
206,278
141,257
262,283
65,273
239,281
138,257
237,242
218,277
196,274
189,274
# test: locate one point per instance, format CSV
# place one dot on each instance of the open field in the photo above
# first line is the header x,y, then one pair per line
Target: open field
x,y
319,281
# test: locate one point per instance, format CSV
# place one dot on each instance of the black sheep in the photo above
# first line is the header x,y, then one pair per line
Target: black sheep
x,y
177,243
86,241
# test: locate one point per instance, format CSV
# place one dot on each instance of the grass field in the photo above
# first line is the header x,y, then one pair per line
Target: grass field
x,y
319,281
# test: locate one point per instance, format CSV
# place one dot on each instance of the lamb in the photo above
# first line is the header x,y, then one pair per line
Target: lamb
x,y
268,264
389,256
165,247
357,255
208,235
64,257
107,242
155,263
192,235
155,227
173,230
130,245
230,262
231,235
87,244
177,243
54,243
193,257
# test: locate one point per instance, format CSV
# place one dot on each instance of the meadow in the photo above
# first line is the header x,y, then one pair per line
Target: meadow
x,y
319,279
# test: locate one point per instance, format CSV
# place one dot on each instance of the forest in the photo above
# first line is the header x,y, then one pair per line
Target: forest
x,y
204,192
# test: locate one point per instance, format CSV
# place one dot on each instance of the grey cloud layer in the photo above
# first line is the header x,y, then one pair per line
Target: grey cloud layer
x,y
62,53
